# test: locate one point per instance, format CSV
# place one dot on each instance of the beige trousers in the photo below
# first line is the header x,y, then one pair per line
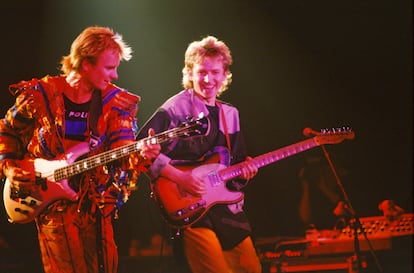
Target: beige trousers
x,y
205,255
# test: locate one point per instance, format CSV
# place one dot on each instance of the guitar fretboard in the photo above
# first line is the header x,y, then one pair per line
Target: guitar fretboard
x,y
327,137
196,127
268,158
94,161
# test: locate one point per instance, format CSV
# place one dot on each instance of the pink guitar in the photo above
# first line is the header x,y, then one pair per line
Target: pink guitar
x,y
181,209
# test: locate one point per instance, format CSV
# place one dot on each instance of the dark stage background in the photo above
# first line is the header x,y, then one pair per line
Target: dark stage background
x,y
297,64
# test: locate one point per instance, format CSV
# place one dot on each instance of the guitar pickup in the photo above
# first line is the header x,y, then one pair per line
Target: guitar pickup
x,y
41,181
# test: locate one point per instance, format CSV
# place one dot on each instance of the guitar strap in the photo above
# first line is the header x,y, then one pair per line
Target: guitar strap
x,y
223,118
94,113
99,243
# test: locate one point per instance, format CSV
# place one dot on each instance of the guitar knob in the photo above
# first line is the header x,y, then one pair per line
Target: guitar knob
x,y
22,211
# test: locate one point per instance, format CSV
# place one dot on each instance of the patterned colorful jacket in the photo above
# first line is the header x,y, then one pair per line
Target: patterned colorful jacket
x,y
34,127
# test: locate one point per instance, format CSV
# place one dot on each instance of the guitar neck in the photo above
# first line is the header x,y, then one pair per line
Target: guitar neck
x,y
269,158
94,161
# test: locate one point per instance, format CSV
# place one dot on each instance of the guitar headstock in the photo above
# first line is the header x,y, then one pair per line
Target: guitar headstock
x,y
194,127
334,135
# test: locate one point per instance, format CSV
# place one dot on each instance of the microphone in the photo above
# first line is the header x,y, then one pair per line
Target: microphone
x,y
308,132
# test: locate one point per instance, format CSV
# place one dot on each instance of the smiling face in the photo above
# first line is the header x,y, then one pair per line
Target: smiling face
x,y
103,71
208,77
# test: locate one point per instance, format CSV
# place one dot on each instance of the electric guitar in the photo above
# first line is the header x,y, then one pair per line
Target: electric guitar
x,y
52,175
181,209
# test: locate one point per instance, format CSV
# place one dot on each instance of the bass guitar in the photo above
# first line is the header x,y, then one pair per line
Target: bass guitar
x,y
181,209
52,175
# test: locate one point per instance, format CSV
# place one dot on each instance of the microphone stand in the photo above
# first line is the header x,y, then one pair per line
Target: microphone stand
x,y
355,222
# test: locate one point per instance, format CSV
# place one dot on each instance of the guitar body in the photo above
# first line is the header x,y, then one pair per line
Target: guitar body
x,y
180,208
23,208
